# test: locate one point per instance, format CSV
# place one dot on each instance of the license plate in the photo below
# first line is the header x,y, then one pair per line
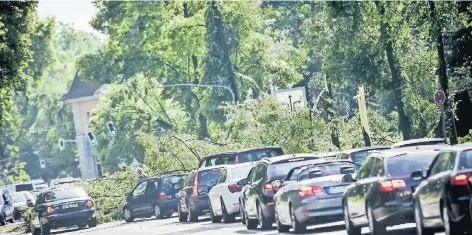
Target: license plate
x,y
72,205
339,189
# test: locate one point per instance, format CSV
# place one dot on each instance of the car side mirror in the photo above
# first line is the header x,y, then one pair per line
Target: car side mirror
x,y
314,174
348,178
242,182
29,203
347,170
418,175
276,184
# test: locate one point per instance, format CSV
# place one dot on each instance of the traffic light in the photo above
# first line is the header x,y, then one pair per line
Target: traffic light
x,y
62,145
111,128
91,137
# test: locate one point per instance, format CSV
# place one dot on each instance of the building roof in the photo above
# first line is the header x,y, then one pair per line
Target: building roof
x,y
79,88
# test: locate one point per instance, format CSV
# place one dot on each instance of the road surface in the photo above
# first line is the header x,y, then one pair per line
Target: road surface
x,y
205,227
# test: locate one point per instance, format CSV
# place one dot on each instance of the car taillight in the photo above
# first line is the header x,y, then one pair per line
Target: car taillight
x,y
460,179
309,191
233,188
390,185
162,196
195,185
89,204
267,186
50,210
236,159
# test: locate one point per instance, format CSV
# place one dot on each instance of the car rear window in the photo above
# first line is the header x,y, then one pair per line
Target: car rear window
x,y
404,165
172,183
248,156
24,187
240,172
327,169
279,170
358,157
208,175
18,197
465,160
65,193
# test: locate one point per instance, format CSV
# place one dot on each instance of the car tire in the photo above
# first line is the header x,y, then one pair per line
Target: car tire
x,y
35,230
450,227
264,222
375,227
296,225
127,215
250,223
420,229
92,223
214,218
350,228
169,214
82,226
226,218
182,215
192,215
12,220
157,212
2,219
45,229
241,213
280,227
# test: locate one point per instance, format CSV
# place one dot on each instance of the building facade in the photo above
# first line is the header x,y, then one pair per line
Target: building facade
x,y
83,97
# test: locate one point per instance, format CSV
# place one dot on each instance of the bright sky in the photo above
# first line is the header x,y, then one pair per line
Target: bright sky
x,y
75,12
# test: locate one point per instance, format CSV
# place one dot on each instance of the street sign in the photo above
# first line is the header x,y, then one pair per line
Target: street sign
x,y
439,97
91,137
62,146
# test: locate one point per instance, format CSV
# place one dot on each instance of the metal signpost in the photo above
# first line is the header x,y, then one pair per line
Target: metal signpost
x,y
440,99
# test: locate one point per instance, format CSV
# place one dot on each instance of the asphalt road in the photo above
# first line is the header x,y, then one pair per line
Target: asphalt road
x,y
205,227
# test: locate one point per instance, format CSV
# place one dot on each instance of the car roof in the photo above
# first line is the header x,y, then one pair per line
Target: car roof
x,y
210,167
240,165
242,151
409,151
416,141
328,154
169,173
364,149
288,156
459,147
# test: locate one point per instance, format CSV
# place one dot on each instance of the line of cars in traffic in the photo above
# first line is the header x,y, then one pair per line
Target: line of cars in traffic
x,y
423,181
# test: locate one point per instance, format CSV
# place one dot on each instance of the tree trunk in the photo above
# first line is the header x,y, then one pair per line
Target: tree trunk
x,y
202,119
330,112
443,78
397,79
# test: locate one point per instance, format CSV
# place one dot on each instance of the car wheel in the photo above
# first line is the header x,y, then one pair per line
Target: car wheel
x,y
213,217
169,214
250,223
12,220
92,223
227,218
280,227
450,228
264,223
45,229
35,230
375,227
350,228
127,215
420,229
296,225
157,212
192,215
182,215
241,212
82,226
2,219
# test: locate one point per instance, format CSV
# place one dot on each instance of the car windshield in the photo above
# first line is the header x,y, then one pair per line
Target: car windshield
x,y
326,169
65,193
208,175
465,160
279,171
404,165
18,197
240,172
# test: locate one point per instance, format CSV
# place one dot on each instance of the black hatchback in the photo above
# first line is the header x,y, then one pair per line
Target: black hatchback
x,y
63,207
154,196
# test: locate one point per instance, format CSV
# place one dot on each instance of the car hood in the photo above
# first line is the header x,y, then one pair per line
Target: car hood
x,y
19,204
